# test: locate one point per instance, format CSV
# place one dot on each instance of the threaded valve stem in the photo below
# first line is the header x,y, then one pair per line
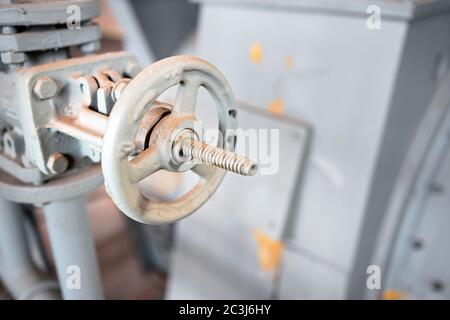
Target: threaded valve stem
x,y
218,157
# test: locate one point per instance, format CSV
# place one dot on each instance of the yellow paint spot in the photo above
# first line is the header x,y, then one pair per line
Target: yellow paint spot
x,y
289,62
276,107
393,295
270,251
256,53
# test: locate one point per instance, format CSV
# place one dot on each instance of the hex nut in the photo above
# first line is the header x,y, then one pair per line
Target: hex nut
x,y
45,88
57,163
12,57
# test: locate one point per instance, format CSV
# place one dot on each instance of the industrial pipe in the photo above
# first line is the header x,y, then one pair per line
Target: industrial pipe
x,y
73,249
18,272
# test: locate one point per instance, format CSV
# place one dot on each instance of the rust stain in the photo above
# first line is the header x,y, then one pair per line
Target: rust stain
x,y
270,251
276,107
256,53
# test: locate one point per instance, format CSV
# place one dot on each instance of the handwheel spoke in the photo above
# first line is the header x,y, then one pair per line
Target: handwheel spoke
x,y
144,164
204,171
186,97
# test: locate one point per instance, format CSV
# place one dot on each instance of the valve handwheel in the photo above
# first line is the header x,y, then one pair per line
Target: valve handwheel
x,y
174,140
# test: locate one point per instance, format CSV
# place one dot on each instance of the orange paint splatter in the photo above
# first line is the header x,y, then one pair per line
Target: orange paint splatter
x,y
270,251
276,107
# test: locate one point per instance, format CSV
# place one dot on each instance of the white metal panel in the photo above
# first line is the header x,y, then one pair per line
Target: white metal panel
x,y
216,252
341,82
215,257
307,277
264,202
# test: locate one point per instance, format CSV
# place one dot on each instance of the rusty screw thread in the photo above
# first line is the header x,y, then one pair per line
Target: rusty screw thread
x,y
218,157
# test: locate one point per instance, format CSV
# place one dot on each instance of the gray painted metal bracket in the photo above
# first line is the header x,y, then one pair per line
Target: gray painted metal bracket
x,y
36,114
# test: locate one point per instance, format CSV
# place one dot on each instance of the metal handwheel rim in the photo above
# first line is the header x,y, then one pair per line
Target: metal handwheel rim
x,y
136,100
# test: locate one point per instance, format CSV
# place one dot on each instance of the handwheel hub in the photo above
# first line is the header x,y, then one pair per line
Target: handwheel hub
x,y
166,136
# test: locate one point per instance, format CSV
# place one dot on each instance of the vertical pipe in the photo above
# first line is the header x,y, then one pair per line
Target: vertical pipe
x,y
73,249
18,272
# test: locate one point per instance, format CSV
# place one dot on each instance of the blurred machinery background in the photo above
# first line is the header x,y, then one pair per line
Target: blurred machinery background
x,y
357,93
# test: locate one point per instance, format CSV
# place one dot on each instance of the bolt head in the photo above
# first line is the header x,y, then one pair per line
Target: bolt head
x,y
45,88
12,57
57,163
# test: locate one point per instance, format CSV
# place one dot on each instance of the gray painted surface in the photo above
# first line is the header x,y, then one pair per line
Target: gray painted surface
x,y
144,20
305,276
391,9
165,24
27,13
134,39
17,269
328,86
415,86
216,246
73,249
411,247
356,87
50,39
